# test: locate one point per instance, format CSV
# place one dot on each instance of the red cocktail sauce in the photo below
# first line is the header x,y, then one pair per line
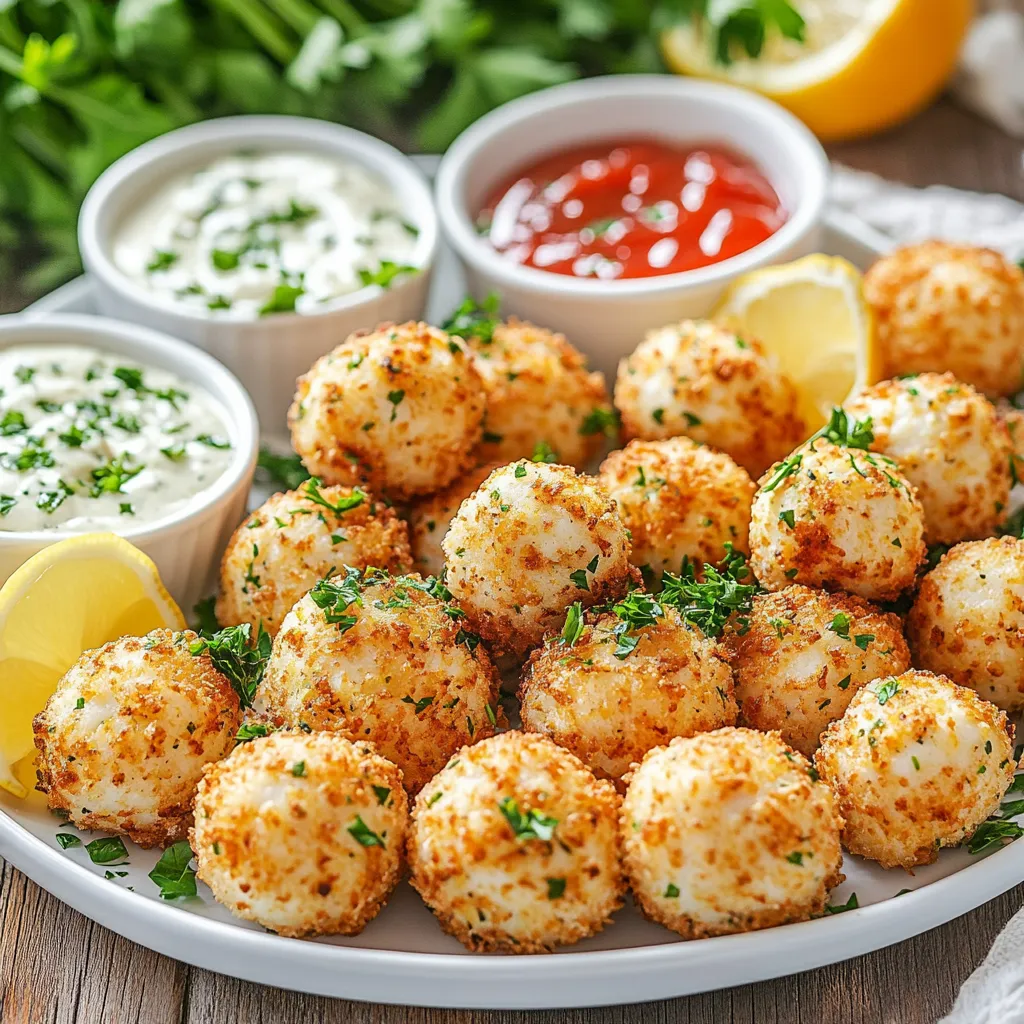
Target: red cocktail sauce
x,y
635,208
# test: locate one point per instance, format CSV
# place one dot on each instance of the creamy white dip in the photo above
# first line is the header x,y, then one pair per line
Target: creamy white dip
x,y
260,233
90,440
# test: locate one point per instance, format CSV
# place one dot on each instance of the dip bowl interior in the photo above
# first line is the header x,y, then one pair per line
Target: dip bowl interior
x,y
607,318
267,353
186,544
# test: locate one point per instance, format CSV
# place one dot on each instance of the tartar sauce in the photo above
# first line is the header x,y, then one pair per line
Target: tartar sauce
x,y
260,233
89,440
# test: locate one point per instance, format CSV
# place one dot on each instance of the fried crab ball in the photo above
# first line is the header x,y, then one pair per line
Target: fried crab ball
x,y
539,392
967,621
514,846
610,696
950,444
679,500
125,736
729,831
430,517
702,380
916,763
531,540
383,659
801,655
1014,420
298,537
400,409
302,834
950,307
837,518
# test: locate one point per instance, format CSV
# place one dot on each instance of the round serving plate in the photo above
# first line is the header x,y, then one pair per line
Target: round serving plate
x,y
403,956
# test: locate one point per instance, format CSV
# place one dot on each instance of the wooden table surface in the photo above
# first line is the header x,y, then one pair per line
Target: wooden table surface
x,y
56,966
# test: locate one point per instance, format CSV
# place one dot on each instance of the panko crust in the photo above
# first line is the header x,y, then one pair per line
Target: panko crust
x,y
273,833
729,831
129,759
516,543
679,499
429,518
802,654
492,888
917,772
950,444
703,380
940,306
967,621
280,551
849,510
610,711
538,390
403,676
1014,421
399,409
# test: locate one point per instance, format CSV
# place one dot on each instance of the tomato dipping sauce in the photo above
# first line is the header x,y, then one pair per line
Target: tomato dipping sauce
x,y
629,209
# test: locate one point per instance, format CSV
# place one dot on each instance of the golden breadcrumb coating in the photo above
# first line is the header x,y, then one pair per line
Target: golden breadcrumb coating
x,y
967,621
302,834
531,540
950,445
729,831
399,409
125,736
917,763
802,654
514,846
539,391
292,540
702,380
429,518
942,307
679,500
1014,420
837,518
610,708
396,669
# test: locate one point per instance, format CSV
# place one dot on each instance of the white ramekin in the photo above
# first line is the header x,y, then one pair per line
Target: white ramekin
x,y
606,319
265,354
185,545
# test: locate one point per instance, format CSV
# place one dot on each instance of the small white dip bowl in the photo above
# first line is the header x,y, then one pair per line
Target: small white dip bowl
x,y
185,545
607,318
268,353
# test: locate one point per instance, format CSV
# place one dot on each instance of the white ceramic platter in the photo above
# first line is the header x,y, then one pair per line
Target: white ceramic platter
x,y
403,957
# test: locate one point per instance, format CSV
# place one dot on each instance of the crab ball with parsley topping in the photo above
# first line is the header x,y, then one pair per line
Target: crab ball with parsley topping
x,y
801,655
611,688
679,500
917,763
399,409
531,540
514,846
302,834
125,736
950,444
949,307
384,659
967,621
838,518
298,537
702,380
729,831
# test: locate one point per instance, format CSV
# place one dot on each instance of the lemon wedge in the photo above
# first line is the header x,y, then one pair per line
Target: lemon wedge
x,y
813,316
862,67
70,597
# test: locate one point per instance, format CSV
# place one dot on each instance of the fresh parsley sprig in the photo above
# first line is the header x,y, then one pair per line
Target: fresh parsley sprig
x,y
474,319
708,603
236,655
312,491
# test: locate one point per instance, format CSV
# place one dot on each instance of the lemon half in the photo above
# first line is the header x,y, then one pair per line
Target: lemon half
x,y
73,596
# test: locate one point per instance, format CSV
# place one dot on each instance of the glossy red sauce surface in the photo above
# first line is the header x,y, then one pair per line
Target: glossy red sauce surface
x,y
632,208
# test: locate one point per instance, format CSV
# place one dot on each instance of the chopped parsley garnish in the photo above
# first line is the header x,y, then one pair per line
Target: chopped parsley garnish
x,y
531,824
708,604
395,398
863,640
286,470
556,887
13,423
214,442
341,506
299,769
788,517
224,259
542,452
671,891
364,835
385,274
335,596
162,260
579,576
173,874
252,731
7,502
65,840
419,706
475,320
108,850
601,420
841,625
175,452
786,468
282,299
573,628
382,793
841,430
238,657
993,833
841,908
111,477
887,690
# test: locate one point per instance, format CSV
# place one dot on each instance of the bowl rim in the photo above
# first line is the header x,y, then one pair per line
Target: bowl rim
x,y
191,364
808,157
256,131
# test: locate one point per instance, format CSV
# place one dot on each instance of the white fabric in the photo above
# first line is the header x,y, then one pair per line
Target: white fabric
x,y
991,77
994,993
